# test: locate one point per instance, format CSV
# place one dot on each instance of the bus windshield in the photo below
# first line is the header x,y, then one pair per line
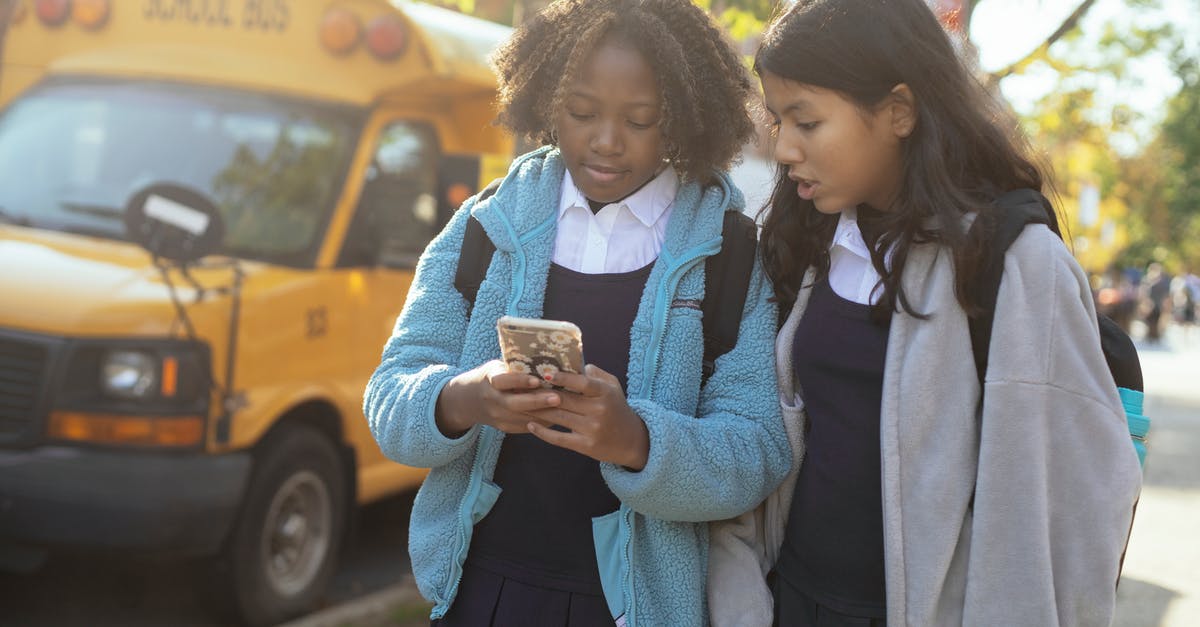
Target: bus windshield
x,y
73,154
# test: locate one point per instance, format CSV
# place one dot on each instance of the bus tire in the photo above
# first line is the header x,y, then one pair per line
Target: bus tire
x,y
284,546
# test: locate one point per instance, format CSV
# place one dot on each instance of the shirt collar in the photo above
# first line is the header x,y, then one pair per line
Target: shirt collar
x,y
849,236
646,204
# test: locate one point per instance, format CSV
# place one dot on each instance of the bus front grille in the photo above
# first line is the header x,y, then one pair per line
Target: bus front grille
x,y
22,378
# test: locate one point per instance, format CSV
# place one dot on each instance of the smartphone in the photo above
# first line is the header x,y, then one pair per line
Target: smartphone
x,y
540,347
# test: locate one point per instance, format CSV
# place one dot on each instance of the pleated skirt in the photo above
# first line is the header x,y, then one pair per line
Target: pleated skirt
x,y
489,598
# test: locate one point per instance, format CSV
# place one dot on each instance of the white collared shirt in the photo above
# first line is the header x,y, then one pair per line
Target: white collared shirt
x,y
621,237
851,274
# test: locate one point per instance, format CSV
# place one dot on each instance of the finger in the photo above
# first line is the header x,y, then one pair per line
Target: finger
x,y
577,403
569,441
568,380
513,381
525,402
596,372
555,416
586,384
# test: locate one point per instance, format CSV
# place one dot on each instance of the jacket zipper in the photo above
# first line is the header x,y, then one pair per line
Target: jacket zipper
x,y
627,567
485,438
662,308
464,515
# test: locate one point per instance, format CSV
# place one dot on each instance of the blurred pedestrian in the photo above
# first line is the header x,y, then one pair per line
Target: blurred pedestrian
x,y
582,505
1185,288
1155,295
1117,297
919,499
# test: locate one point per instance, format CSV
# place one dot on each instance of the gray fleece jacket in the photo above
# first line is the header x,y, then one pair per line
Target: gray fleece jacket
x,y
1049,461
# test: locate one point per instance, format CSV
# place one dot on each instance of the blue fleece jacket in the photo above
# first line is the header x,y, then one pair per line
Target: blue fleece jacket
x,y
714,453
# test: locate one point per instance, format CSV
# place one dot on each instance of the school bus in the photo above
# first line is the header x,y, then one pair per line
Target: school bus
x,y
210,402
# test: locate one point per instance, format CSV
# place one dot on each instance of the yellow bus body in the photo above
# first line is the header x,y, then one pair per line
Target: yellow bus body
x,y
309,331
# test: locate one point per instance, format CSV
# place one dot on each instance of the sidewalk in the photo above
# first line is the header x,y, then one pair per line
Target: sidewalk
x,y
399,605
1160,584
1171,368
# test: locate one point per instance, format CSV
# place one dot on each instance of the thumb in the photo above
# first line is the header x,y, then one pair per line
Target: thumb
x,y
596,372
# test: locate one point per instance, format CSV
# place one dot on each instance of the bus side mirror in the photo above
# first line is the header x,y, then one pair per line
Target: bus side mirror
x,y
174,222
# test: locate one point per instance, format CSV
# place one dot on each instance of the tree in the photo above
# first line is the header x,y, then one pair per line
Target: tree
x,y
1097,145
1144,199
1167,177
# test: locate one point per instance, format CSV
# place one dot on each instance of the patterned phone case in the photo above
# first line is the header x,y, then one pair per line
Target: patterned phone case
x,y
540,347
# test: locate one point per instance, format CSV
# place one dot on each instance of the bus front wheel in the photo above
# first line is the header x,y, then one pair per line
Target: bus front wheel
x,y
284,546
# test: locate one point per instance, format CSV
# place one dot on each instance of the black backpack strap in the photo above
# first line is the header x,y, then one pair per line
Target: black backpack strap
x,y
1014,210
476,254
727,278
1121,355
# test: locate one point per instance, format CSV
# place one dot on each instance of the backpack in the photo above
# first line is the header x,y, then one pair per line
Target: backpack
x,y
727,278
1017,209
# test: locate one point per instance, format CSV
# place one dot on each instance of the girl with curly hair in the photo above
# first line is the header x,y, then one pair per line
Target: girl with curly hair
x,y
584,503
919,499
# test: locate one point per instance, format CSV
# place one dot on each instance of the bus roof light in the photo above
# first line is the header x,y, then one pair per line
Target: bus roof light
x,y
386,38
90,14
52,12
340,31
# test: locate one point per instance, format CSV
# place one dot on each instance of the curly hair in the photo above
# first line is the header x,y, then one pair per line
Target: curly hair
x,y
703,85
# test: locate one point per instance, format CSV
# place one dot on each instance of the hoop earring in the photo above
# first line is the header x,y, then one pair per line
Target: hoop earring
x,y
671,154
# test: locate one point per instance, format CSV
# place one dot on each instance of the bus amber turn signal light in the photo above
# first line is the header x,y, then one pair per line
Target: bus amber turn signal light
x,y
340,31
160,431
90,14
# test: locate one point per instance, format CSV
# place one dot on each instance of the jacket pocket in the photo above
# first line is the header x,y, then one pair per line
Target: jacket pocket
x,y
483,500
610,549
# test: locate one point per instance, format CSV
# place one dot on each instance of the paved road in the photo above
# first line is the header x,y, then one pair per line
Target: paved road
x,y
78,591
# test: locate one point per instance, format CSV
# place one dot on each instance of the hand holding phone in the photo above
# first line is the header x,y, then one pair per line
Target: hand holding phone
x,y
541,348
491,395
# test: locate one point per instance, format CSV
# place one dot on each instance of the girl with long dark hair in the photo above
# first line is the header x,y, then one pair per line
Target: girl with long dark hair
x,y
920,496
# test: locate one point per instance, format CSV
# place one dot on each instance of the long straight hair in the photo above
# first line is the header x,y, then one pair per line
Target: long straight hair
x,y
964,151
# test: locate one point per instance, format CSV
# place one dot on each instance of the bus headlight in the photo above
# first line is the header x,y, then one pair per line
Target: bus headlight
x,y
129,374
136,376
135,392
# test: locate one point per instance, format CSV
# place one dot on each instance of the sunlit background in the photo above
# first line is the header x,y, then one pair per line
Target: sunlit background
x,y
330,180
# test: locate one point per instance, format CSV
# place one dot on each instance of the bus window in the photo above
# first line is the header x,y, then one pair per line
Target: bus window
x,y
73,154
397,214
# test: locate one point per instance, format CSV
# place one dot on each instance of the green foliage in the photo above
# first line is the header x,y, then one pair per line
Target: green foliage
x,y
1181,142
1151,199
1164,181
1149,178
273,204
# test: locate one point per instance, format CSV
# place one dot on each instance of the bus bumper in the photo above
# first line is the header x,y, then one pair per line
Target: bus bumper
x,y
61,497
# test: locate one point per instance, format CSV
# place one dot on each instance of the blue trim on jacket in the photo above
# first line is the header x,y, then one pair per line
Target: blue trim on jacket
x,y
714,453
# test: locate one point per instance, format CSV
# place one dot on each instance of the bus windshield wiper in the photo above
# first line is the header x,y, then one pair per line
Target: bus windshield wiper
x,y
91,209
9,218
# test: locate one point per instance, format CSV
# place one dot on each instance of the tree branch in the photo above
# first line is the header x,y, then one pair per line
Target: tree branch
x,y
1067,26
